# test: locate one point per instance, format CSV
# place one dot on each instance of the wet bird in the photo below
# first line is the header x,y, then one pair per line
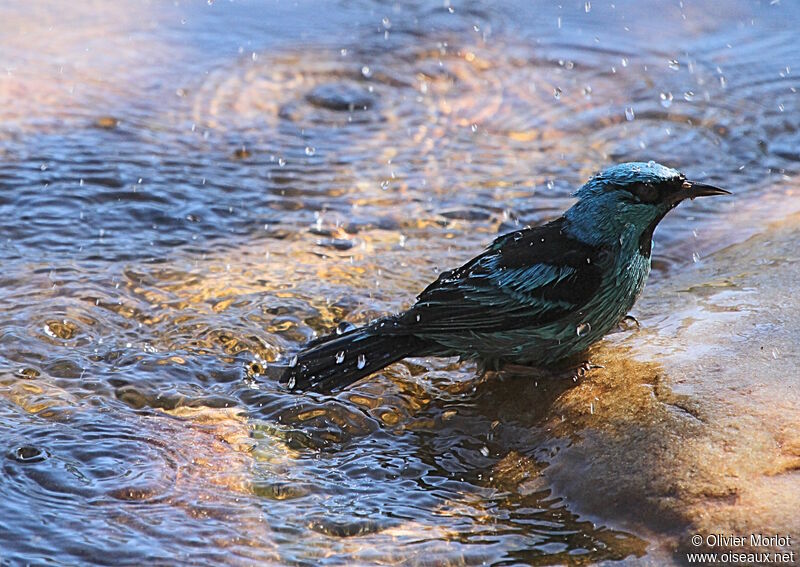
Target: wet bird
x,y
534,297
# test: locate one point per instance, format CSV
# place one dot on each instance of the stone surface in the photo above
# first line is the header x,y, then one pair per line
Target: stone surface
x,y
706,440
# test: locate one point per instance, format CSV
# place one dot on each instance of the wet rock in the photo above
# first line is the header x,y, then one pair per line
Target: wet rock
x,y
345,528
63,329
241,153
466,214
107,122
27,454
342,97
278,490
336,243
705,440
65,368
29,373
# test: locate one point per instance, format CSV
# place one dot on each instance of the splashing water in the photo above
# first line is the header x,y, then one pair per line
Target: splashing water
x,y
173,212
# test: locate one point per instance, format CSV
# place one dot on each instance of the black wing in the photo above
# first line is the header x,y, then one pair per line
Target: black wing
x,y
524,279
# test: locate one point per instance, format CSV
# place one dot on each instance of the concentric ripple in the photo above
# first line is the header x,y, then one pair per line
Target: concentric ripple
x,y
190,192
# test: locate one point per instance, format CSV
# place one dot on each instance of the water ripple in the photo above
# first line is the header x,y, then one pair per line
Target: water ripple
x,y
203,195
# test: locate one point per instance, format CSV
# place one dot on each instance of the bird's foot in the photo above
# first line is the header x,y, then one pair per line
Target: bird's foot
x,y
582,370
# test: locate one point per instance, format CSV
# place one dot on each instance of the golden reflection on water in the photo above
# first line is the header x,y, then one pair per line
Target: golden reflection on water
x,y
181,212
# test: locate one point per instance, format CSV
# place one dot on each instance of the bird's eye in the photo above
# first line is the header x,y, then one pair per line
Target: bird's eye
x,y
646,193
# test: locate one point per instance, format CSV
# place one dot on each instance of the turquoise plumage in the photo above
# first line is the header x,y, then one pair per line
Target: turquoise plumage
x,y
535,296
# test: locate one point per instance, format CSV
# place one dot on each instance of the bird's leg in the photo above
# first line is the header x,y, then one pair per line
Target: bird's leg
x,y
512,370
524,371
487,366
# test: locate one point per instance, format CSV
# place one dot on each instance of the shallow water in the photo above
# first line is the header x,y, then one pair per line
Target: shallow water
x,y
191,191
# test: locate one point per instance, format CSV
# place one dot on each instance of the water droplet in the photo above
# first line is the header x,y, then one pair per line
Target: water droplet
x,y
418,317
365,70
629,115
558,22
583,328
587,6
310,150
688,95
292,382
386,23
550,184
666,99
340,357
293,361
674,65
695,257
485,451
474,127
587,91
624,61
344,327
557,93
362,361
281,162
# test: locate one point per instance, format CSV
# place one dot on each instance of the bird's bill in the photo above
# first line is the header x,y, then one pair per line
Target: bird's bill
x,y
694,189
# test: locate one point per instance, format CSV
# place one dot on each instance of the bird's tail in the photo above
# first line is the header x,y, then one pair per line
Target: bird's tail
x,y
337,361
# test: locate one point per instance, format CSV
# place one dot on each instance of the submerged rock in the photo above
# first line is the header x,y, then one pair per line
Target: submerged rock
x,y
341,97
705,442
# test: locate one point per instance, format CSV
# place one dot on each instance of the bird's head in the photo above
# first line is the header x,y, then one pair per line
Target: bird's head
x,y
631,199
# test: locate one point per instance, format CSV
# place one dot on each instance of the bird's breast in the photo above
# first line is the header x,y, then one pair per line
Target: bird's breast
x,y
623,281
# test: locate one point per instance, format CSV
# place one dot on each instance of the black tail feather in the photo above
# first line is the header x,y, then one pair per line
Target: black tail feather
x,y
339,360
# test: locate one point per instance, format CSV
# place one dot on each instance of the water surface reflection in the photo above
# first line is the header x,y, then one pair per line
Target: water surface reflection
x,y
192,189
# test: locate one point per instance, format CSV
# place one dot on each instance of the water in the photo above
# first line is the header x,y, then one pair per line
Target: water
x,y
189,192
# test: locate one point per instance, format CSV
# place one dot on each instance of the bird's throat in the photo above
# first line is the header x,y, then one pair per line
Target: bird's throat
x,y
646,239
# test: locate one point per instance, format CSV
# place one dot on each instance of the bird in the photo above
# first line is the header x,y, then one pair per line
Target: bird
x,y
534,297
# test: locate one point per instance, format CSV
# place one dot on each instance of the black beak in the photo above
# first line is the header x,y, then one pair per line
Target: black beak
x,y
692,189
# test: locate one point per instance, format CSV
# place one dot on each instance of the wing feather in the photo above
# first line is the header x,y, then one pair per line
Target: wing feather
x,y
524,279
